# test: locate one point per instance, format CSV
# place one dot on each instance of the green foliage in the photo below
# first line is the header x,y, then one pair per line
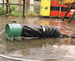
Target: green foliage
x,y
14,11
13,8
32,14
2,11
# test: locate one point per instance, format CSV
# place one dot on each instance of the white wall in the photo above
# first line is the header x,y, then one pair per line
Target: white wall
x,y
32,7
0,1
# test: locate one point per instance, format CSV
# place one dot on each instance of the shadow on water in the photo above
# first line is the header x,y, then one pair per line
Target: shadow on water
x,y
46,49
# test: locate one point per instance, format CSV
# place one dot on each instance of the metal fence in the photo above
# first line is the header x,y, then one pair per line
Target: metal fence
x,y
20,5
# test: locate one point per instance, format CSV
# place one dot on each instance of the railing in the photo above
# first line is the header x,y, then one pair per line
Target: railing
x,y
8,4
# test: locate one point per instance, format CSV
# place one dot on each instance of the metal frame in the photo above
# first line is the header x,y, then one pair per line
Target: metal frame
x,y
70,19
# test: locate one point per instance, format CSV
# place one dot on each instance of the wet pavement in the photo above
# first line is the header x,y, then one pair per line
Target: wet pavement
x,y
46,49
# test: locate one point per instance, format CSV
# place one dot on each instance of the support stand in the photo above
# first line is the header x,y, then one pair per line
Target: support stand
x,y
67,13
71,18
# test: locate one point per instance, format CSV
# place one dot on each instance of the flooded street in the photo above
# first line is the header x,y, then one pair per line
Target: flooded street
x,y
46,49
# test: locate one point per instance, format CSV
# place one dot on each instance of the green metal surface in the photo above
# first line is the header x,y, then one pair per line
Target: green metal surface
x,y
13,30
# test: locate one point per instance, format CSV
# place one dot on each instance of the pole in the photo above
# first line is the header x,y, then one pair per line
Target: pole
x,y
3,3
60,2
23,8
7,4
19,1
71,17
60,11
66,13
28,5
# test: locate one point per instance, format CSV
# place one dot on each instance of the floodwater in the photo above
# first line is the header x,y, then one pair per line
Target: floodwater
x,y
46,49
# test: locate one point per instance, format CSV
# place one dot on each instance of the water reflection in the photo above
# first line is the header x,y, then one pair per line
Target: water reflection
x,y
42,49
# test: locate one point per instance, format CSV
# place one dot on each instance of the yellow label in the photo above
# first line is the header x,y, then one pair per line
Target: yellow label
x,y
45,7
